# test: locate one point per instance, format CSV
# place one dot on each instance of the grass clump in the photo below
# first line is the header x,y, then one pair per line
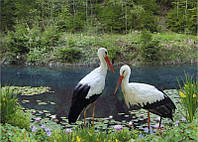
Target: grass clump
x,y
8,103
11,111
189,97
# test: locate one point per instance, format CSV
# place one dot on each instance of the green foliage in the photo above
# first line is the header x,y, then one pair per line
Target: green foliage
x,y
20,119
32,42
16,134
69,54
183,17
149,5
149,47
10,109
112,52
17,42
189,98
8,103
111,16
90,135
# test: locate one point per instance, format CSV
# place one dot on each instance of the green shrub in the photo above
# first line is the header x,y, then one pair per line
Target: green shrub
x,y
149,47
69,54
189,98
50,36
8,103
112,51
20,119
17,42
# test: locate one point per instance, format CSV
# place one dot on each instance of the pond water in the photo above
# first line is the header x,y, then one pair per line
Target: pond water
x,y
63,79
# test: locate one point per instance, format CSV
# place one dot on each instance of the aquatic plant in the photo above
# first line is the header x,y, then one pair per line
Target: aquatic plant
x,y
189,97
8,103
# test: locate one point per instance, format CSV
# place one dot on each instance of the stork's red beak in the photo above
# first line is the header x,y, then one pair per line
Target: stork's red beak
x,y
118,84
109,63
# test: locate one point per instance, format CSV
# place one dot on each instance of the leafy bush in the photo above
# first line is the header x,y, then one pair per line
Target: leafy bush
x,y
189,98
20,119
112,51
24,40
8,103
69,54
149,47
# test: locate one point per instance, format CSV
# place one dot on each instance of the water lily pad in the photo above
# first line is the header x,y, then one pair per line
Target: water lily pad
x,y
42,103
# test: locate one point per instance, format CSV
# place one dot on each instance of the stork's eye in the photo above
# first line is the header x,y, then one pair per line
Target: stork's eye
x,y
106,52
123,72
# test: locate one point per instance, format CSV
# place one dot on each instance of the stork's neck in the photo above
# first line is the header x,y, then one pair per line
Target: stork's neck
x,y
103,64
125,81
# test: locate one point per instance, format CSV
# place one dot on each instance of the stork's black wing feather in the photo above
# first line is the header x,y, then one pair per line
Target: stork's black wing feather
x,y
164,108
79,101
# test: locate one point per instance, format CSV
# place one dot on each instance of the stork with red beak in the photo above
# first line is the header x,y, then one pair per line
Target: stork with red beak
x,y
89,88
144,95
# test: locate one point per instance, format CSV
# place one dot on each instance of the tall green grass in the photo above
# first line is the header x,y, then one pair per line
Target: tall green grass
x,y
8,103
189,97
11,111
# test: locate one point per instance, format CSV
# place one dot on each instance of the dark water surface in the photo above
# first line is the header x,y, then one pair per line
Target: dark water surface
x,y
63,79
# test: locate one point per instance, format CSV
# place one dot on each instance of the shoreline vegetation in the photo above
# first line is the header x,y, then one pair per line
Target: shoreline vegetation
x,y
81,49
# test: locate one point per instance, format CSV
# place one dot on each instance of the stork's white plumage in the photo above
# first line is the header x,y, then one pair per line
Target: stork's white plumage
x,y
144,95
89,88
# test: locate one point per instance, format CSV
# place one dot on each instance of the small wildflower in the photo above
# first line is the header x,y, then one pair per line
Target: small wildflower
x,y
48,131
182,95
183,119
146,130
116,140
14,130
33,112
77,139
68,131
176,123
38,119
34,129
192,127
3,99
194,95
43,126
118,127
151,130
141,136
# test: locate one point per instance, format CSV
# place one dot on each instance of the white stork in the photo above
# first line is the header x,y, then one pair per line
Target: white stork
x,y
144,95
89,88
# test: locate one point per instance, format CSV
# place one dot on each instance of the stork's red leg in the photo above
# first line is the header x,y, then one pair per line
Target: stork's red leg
x,y
159,127
148,120
84,116
93,113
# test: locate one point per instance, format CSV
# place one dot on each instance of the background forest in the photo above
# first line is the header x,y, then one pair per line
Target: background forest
x,y
33,29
